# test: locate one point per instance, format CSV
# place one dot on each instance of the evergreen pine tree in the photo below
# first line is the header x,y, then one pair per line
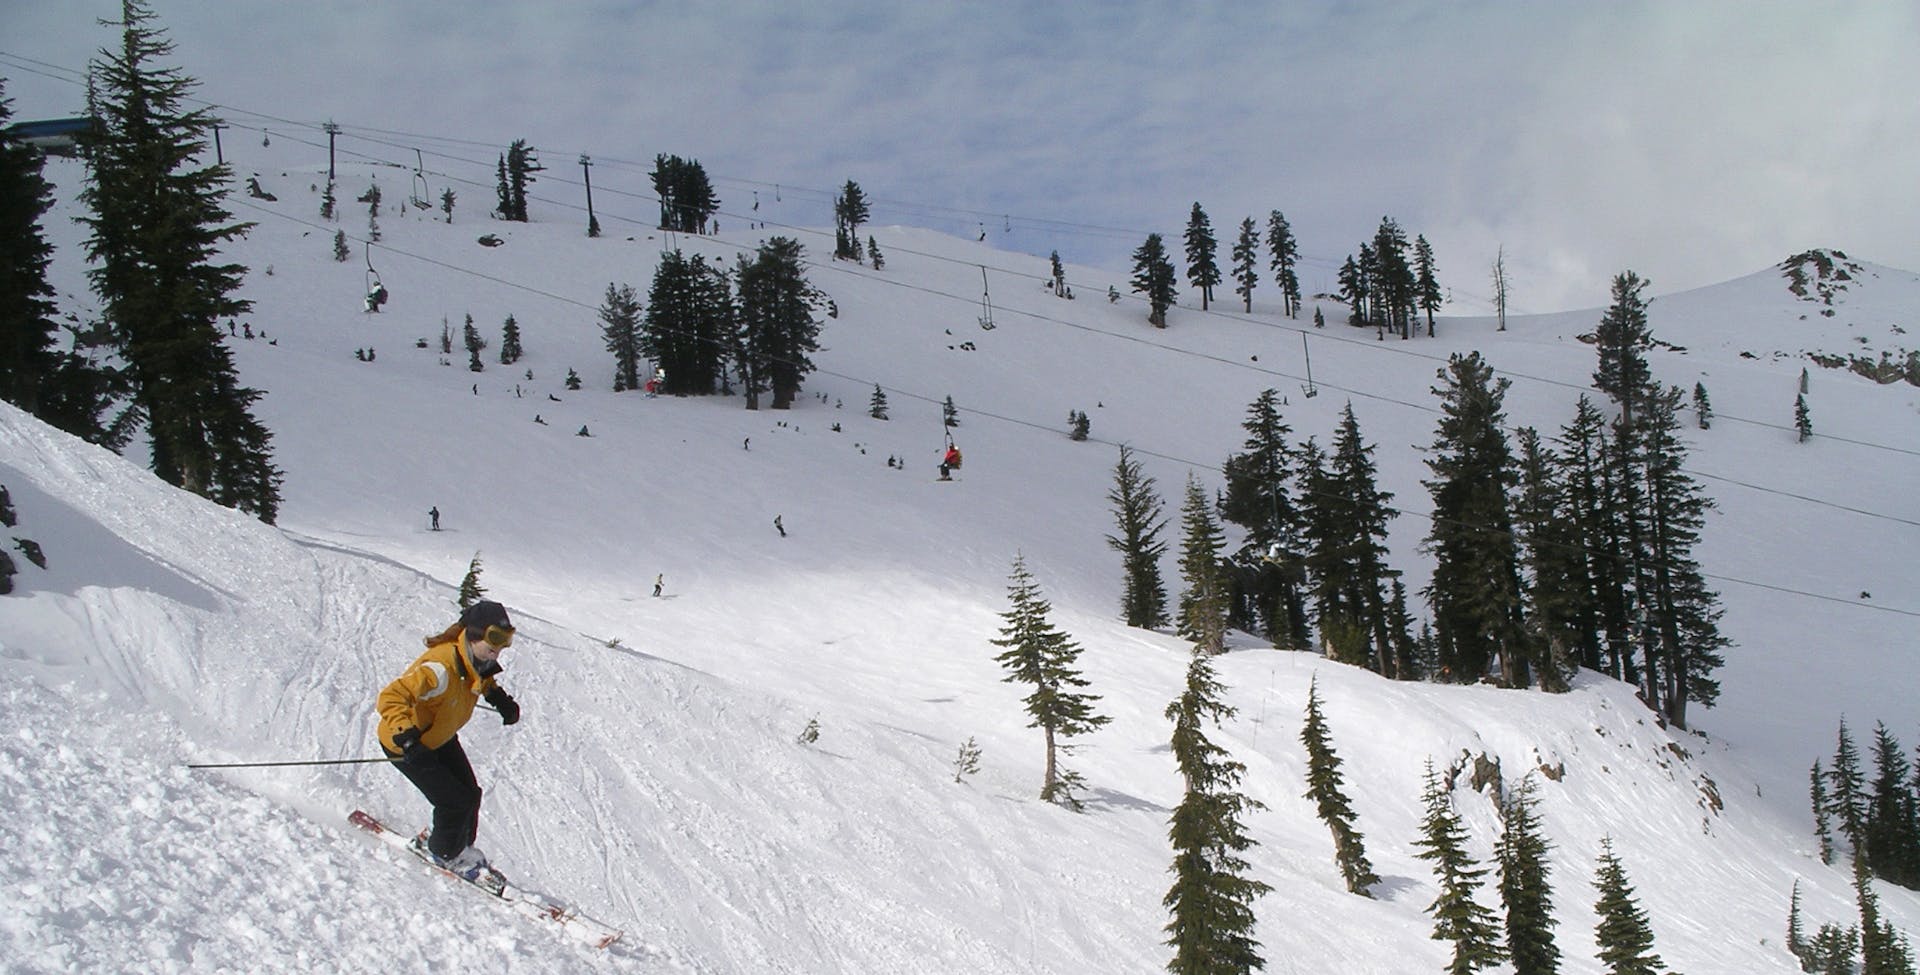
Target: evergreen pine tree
x,y
1427,284
1475,590
28,354
1796,931
620,328
502,190
1137,512
1395,285
340,251
1153,277
877,406
1202,618
1598,530
1246,252
1284,254
1346,530
446,203
1211,900
1624,934
1802,418
1883,951
687,199
470,589
1319,320
1353,290
1203,271
473,344
1560,599
157,226
1457,917
573,380
1059,273
1259,500
510,351
687,324
1822,812
1891,831
873,254
1702,410
850,210
1526,891
1622,340
372,199
1846,792
1040,656
949,414
1324,788
1683,613
522,162
776,328
328,203
1078,426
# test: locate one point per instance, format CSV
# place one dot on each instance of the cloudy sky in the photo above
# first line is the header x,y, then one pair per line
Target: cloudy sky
x,y
1690,141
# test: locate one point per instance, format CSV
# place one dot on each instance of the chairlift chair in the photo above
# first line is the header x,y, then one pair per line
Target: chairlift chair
x,y
420,191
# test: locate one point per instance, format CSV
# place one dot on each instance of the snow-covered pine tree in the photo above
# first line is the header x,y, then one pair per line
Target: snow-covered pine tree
x,y
1684,613
1702,410
470,590
446,203
850,210
1319,320
873,254
1802,418
1283,252
1211,900
1038,655
340,251
1560,612
372,199
1475,590
1457,917
157,227
1059,273
1137,512
329,202
1892,833
1203,270
1202,617
1258,498
1427,284
1246,253
620,330
522,161
1078,426
1822,812
29,356
1624,934
949,414
1622,340
573,380
1846,791
1526,891
1324,783
776,328
510,351
877,405
1153,277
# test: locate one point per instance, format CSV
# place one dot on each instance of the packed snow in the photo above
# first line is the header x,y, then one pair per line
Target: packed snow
x,y
656,781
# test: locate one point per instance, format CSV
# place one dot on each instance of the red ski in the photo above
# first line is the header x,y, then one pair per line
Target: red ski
x,y
595,933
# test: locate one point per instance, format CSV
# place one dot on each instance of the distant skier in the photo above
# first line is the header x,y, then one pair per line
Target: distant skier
x,y
782,529
659,581
421,714
434,513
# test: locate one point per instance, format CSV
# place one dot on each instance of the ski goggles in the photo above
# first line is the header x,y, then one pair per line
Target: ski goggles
x,y
499,637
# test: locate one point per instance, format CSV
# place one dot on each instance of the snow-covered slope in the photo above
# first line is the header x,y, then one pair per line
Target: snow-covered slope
x,y
656,779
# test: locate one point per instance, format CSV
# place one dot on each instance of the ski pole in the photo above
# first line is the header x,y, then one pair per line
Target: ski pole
x,y
336,761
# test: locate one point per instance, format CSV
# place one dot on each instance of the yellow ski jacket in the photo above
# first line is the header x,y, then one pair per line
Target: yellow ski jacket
x,y
436,694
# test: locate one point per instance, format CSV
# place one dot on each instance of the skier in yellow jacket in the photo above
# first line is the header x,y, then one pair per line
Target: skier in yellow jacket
x,y
421,714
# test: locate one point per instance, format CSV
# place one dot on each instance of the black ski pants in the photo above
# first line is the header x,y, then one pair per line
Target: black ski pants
x,y
446,779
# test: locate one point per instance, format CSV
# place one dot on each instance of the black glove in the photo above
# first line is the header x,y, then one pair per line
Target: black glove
x,y
412,752
504,703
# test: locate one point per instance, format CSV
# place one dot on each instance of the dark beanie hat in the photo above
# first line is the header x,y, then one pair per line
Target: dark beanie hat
x,y
483,614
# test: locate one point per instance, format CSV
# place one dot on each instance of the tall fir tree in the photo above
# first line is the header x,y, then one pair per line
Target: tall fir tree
x,y
1892,831
1283,257
1475,590
850,210
1246,255
1846,791
687,199
1202,617
470,588
1702,409
1457,917
372,199
1259,499
1592,494
1802,419
1526,888
877,406
1203,266
1353,287
1346,516
157,226
510,350
1624,934
620,330
1137,513
522,162
1153,277
1036,654
1427,282
1562,628
1395,286
1822,812
1211,900
1324,783
1622,340
1683,612
28,353
776,325
1059,275
688,322
473,343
